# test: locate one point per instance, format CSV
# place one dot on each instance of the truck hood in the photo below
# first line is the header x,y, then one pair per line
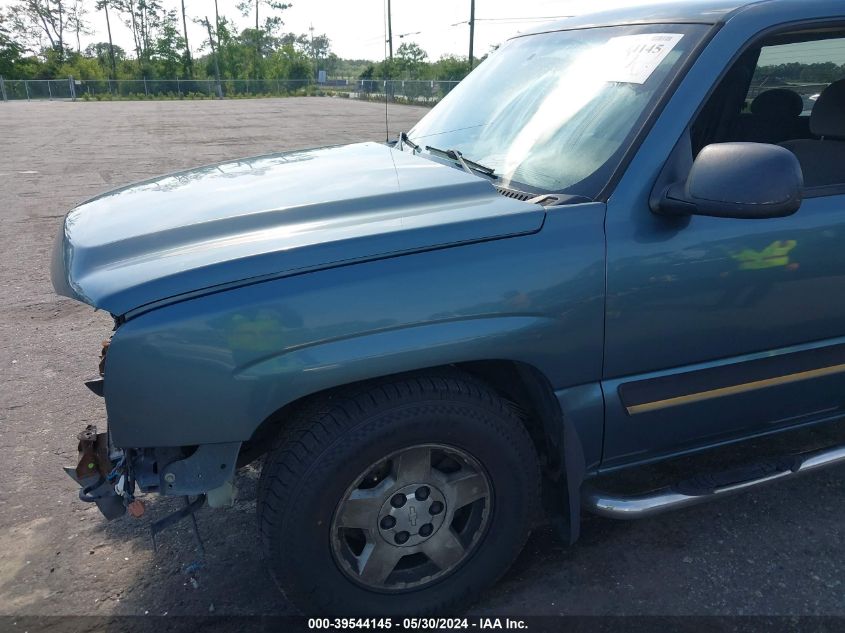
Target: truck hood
x,y
272,216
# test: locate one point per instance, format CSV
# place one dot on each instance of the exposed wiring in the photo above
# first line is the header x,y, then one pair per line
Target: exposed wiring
x,y
115,471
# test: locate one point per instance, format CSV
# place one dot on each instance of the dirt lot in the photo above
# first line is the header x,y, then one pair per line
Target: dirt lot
x,y
777,551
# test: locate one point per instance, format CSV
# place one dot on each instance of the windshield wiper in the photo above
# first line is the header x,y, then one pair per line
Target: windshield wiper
x,y
404,140
469,166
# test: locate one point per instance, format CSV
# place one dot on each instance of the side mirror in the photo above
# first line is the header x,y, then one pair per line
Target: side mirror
x,y
737,180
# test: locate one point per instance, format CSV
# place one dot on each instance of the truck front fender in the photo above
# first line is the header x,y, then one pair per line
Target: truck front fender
x,y
236,401
296,373
212,369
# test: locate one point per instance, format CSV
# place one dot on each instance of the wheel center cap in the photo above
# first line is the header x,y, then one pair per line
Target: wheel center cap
x,y
411,514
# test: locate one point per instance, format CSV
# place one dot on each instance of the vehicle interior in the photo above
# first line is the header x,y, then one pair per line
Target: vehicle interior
x,y
789,90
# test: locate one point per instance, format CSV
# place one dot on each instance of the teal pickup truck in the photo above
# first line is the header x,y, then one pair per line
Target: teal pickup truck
x,y
617,241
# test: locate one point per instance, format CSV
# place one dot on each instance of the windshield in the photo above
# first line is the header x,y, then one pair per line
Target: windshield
x,y
556,111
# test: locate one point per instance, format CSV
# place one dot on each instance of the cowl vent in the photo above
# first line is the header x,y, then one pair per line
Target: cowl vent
x,y
516,195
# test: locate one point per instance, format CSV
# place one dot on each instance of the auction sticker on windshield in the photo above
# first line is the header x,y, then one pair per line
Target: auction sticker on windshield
x,y
632,58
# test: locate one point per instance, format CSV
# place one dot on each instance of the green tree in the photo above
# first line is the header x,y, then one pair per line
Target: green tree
x,y
331,64
272,23
103,5
289,63
168,50
299,42
780,74
368,72
387,69
79,24
144,18
227,50
44,23
102,52
82,67
411,59
450,68
215,51
351,67
319,49
11,53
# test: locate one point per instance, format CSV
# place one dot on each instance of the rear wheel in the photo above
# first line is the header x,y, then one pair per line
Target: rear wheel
x,y
405,496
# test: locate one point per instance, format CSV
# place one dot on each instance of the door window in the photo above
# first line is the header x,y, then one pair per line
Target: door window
x,y
790,91
805,68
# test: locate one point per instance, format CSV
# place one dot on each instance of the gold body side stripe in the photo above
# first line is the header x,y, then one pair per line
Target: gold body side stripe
x,y
734,389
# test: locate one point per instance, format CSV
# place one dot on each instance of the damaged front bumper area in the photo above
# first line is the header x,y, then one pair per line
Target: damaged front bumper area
x,y
110,476
96,473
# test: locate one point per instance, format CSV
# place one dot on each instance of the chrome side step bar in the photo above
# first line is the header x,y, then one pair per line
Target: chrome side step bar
x,y
700,489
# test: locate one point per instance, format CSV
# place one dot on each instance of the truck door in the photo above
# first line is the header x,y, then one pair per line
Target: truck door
x,y
717,328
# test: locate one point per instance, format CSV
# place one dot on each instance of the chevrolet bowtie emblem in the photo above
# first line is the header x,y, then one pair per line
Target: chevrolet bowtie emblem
x,y
412,516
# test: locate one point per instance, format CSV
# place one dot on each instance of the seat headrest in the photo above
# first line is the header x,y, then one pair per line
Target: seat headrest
x,y
778,103
828,116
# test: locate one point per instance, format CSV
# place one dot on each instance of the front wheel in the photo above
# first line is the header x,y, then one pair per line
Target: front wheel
x,y
400,497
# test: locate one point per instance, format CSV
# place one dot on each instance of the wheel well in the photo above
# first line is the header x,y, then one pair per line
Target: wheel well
x,y
522,385
528,389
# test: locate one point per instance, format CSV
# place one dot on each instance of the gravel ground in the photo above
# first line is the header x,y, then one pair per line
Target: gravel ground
x,y
778,551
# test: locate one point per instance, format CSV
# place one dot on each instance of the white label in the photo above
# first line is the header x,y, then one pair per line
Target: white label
x,y
632,58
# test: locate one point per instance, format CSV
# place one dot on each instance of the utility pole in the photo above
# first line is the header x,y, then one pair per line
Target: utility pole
x,y
389,31
471,29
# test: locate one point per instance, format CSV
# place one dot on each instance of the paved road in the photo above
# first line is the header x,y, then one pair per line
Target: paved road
x,y
777,551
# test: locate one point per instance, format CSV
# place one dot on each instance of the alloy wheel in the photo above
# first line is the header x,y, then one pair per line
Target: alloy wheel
x,y
411,518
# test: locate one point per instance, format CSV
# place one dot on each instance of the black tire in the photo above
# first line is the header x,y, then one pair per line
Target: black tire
x,y
333,439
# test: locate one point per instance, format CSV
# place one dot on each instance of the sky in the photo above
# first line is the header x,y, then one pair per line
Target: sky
x,y
356,27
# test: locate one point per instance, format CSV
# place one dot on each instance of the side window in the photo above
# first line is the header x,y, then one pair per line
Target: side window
x,y
805,68
789,90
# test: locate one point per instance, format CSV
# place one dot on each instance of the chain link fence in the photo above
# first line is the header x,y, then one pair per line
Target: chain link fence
x,y
42,89
423,92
